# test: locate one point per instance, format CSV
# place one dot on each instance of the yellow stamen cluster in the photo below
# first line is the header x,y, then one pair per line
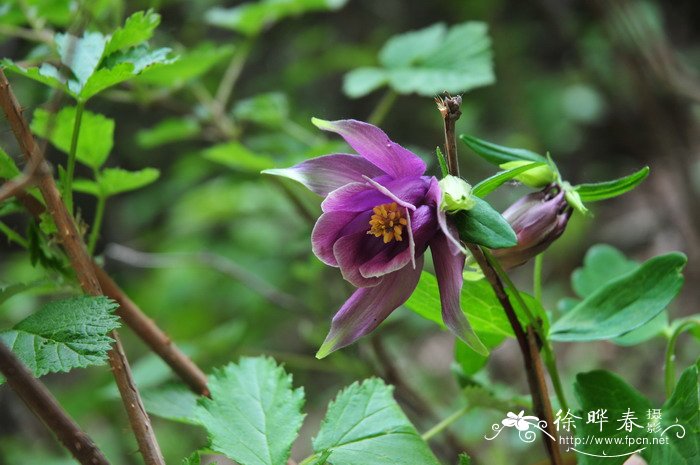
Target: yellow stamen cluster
x,y
387,222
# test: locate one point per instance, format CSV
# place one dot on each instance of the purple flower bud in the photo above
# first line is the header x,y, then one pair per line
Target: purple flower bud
x,y
538,219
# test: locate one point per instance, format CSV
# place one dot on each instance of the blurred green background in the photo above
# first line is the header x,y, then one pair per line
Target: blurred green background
x,y
220,255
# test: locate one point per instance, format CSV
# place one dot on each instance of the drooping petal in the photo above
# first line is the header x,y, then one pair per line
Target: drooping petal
x,y
368,307
332,225
323,175
394,256
353,250
373,144
435,195
448,270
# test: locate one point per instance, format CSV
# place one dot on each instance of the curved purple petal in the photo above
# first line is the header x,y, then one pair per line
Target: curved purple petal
x,y
332,225
368,307
448,270
353,250
325,174
356,196
375,146
422,228
448,229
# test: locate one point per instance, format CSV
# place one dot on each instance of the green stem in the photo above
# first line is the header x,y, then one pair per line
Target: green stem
x,y
547,350
383,107
537,278
440,427
13,236
97,223
232,73
670,367
70,172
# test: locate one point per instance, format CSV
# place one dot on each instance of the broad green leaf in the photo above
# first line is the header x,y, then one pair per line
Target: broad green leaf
x,y
603,390
113,181
625,303
365,421
46,74
254,414
103,79
173,401
43,285
605,190
429,61
82,55
603,263
138,28
237,156
64,334
252,17
8,168
649,330
271,109
190,65
498,154
485,226
96,133
490,184
167,131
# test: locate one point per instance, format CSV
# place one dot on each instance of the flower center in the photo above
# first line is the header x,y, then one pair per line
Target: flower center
x,y
387,222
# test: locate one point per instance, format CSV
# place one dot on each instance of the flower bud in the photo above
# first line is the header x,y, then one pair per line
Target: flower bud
x,y
538,219
456,194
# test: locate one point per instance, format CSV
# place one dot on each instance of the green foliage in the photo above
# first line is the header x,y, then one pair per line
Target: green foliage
x,y
137,29
252,17
602,264
365,421
113,181
625,303
237,156
64,334
498,154
429,61
8,169
189,66
96,133
168,131
254,414
172,401
609,189
485,226
270,110
490,184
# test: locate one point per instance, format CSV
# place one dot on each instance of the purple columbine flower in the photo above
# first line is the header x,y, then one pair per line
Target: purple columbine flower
x,y
380,214
538,219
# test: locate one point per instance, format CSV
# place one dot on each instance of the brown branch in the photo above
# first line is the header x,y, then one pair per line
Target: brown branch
x,y
73,244
48,410
527,340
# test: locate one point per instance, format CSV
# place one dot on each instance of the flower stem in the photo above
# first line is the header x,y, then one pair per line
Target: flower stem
x,y
382,109
97,223
70,171
537,278
670,366
437,429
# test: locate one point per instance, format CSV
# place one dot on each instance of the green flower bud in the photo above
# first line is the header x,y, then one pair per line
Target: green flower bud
x,y
456,194
539,176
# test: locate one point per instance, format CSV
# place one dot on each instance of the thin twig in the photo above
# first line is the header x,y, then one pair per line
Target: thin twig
x,y
73,244
48,410
527,339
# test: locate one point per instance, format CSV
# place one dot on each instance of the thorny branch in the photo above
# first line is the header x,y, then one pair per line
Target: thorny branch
x,y
527,339
81,263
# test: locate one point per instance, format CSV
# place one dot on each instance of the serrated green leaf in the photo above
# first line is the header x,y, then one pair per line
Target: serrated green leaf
x,y
105,78
138,28
484,226
429,61
167,131
46,74
82,55
270,109
140,57
190,65
64,334
625,303
498,154
113,181
173,401
8,168
253,415
237,156
365,421
96,133
606,190
490,184
252,17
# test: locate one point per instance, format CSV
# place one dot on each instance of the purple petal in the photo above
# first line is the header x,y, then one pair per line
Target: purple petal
x,y
332,225
373,192
396,255
368,307
323,175
390,194
448,229
353,250
376,147
448,270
